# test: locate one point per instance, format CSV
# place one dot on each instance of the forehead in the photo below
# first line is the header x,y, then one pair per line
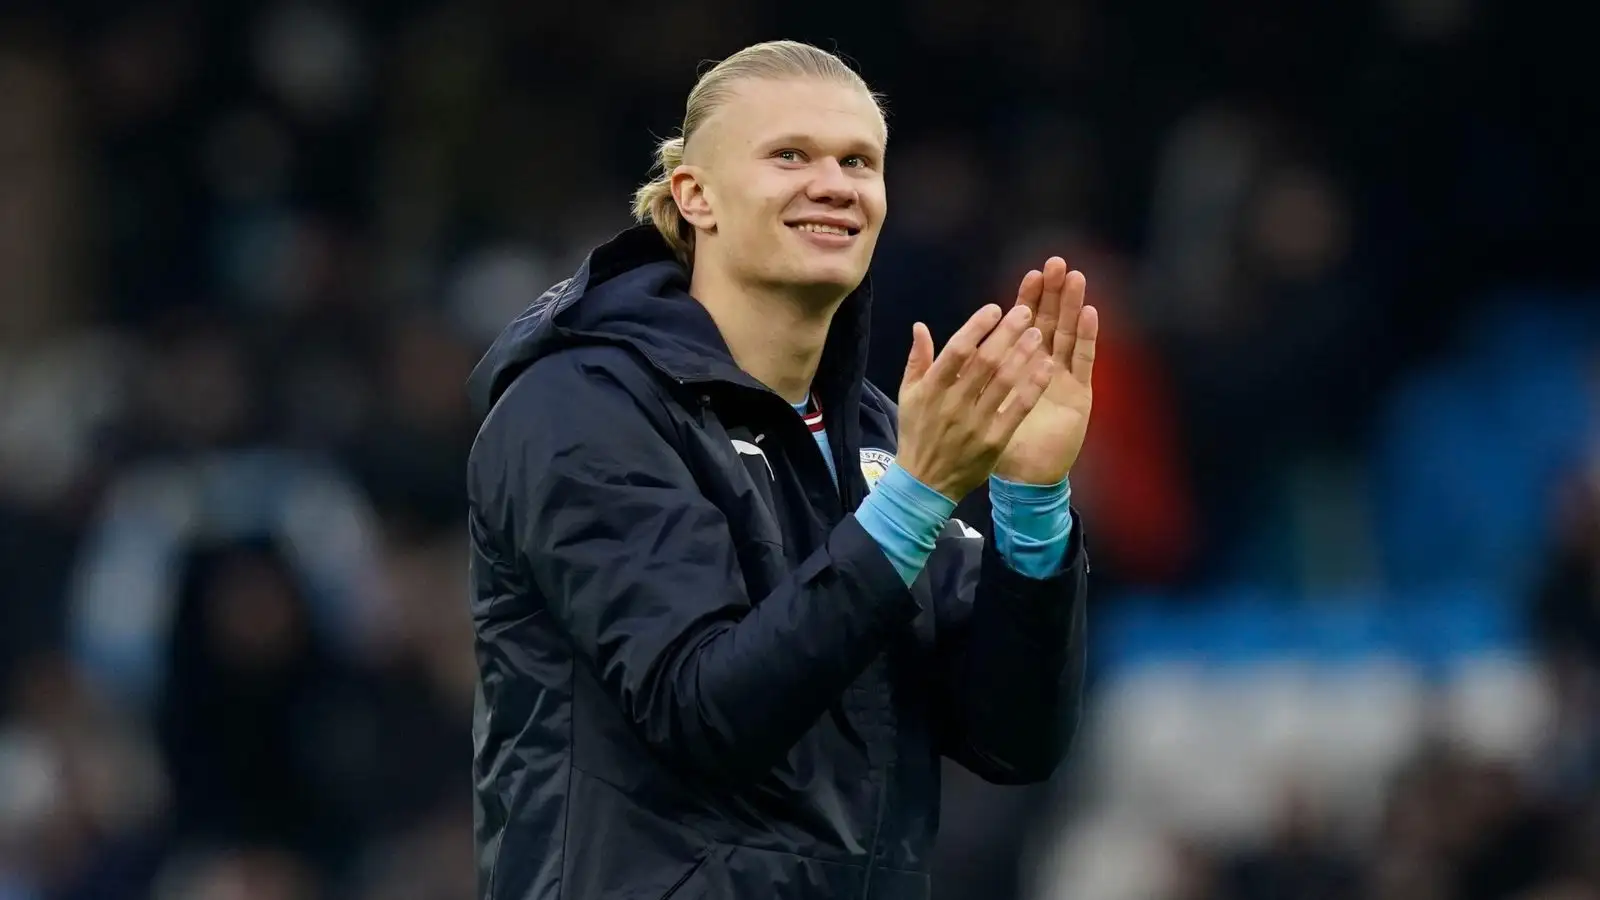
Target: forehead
x,y
822,112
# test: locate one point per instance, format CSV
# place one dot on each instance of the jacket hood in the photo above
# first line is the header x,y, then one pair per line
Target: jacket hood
x,y
632,291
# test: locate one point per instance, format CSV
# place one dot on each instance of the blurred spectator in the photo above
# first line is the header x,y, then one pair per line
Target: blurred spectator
x,y
1567,607
1304,859
411,456
248,874
82,789
249,714
1135,480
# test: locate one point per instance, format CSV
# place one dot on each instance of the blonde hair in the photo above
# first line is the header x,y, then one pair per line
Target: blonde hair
x,y
772,60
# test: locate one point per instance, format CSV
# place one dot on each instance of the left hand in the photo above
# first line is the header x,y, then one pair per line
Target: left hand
x,y
1046,444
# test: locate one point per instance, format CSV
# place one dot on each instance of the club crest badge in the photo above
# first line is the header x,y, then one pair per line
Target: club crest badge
x,y
874,463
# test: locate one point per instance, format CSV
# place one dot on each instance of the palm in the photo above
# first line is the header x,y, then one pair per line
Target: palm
x,y
1046,444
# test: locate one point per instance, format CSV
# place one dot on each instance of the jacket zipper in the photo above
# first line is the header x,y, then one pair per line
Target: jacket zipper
x,y
842,496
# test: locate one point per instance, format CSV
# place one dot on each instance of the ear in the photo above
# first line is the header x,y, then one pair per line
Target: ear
x,y
690,191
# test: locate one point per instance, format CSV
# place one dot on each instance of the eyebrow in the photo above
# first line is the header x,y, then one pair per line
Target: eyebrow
x,y
865,148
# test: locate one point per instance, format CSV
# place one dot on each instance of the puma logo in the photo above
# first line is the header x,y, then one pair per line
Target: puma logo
x,y
745,448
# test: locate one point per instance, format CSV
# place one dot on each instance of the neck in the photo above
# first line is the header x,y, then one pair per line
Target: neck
x,y
774,335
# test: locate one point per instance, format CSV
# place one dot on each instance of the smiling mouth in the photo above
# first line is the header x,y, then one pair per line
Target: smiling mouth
x,y
817,228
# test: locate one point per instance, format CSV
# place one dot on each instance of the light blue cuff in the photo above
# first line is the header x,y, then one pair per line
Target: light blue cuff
x,y
1032,525
904,516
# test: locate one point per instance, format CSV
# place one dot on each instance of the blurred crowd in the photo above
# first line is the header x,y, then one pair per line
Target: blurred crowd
x,y
250,251
1403,791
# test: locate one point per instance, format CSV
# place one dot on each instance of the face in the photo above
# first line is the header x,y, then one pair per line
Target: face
x,y
784,186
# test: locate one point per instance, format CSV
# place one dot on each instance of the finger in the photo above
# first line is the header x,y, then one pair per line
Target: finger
x,y
993,351
1053,283
1088,335
1028,292
1023,355
1024,397
1068,323
963,345
920,358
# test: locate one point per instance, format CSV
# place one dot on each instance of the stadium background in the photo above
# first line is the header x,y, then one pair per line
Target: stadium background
x,y
1343,485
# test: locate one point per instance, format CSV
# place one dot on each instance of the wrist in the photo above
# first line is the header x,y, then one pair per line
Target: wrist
x,y
1028,491
1030,476
913,491
946,492
1020,464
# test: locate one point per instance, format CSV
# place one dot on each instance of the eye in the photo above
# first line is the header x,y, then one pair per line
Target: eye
x,y
857,162
790,156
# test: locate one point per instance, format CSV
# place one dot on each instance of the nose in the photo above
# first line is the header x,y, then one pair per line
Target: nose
x,y
829,184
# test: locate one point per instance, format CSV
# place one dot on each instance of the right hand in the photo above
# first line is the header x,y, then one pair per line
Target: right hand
x,y
959,411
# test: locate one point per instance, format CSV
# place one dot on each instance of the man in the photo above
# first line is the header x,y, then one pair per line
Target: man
x,y
715,661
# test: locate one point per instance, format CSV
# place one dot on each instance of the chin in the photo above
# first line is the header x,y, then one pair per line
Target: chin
x,y
839,267
833,283
837,270
841,273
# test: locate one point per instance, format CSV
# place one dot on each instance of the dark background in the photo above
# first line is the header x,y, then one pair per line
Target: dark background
x,y
1341,488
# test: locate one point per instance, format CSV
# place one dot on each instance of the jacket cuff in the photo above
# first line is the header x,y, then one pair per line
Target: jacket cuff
x,y
1038,603
856,557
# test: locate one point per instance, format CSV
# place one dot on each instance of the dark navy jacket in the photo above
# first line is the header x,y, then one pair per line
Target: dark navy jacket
x,y
699,676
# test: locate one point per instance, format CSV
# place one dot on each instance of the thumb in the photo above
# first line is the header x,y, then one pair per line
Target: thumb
x,y
921,358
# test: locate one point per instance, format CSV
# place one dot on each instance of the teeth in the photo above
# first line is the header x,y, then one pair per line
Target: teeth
x,y
822,229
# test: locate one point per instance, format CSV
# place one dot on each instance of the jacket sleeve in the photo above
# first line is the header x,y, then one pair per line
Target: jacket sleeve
x,y
641,572
1010,655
